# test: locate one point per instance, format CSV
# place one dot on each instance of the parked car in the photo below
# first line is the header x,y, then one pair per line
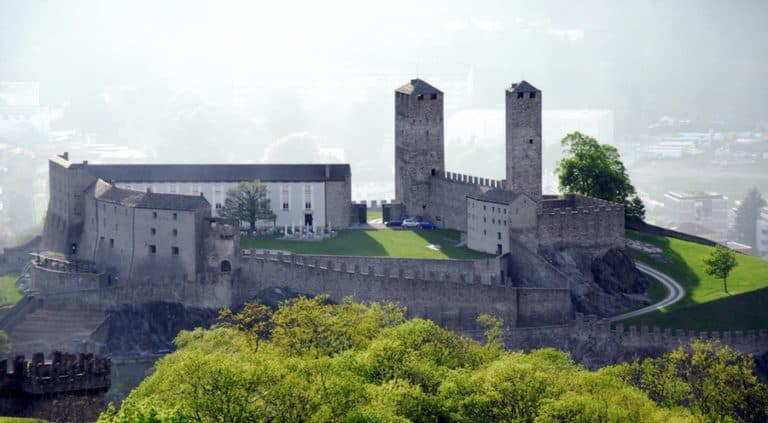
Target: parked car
x,y
424,224
412,222
394,223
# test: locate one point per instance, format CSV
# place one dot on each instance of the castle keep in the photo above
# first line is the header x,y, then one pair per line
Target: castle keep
x,y
498,217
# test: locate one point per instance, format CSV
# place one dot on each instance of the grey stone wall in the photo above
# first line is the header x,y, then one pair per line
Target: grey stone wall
x,y
448,301
523,143
581,222
448,200
419,148
13,259
66,206
338,203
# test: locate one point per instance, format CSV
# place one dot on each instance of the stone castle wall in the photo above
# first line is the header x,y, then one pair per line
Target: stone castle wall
x,y
448,198
450,298
580,222
14,259
338,203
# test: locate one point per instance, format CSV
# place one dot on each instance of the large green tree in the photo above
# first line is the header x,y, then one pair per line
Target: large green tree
x,y
746,217
354,362
248,202
720,263
595,170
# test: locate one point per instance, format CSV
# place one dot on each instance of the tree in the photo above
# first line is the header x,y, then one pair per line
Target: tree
x,y
720,263
636,208
594,170
248,202
746,217
253,320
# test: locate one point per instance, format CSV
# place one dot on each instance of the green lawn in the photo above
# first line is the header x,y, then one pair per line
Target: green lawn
x,y
9,293
706,306
20,420
387,243
374,214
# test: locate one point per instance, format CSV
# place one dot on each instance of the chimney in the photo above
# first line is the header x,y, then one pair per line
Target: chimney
x,y
65,155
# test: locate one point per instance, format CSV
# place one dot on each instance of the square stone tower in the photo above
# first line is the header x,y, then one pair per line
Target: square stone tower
x,y
523,136
419,144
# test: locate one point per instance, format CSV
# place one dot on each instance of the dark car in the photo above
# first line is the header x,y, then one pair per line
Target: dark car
x,y
425,224
394,224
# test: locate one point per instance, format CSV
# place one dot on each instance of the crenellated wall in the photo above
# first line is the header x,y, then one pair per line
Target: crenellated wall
x,y
448,199
64,373
581,222
449,296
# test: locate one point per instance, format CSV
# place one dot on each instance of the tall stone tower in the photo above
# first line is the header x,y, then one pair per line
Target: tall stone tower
x,y
419,146
523,133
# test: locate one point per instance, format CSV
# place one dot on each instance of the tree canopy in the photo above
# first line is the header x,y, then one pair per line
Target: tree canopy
x,y
720,263
596,170
248,202
319,361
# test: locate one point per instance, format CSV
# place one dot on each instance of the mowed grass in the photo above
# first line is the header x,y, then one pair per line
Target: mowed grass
x,y
20,420
400,243
706,306
656,291
9,293
373,215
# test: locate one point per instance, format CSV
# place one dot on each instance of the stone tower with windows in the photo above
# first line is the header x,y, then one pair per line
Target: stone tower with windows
x,y
523,137
419,147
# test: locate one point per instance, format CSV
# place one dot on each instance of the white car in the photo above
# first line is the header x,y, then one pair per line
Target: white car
x,y
412,222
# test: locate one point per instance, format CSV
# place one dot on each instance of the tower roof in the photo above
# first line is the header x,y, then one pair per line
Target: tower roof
x,y
523,87
417,87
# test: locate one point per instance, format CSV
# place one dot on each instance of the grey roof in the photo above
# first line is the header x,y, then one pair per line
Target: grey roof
x,y
523,87
107,192
418,86
220,172
496,195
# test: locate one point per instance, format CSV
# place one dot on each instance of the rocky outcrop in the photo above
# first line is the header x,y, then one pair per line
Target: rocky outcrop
x,y
605,285
150,328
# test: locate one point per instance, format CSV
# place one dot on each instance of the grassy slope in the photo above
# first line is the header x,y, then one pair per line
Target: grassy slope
x,y
374,214
656,292
705,305
9,294
388,243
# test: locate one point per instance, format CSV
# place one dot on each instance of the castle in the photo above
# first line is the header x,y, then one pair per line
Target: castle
x,y
124,235
496,216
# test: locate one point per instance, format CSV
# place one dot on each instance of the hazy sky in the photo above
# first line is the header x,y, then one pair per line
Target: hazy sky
x,y
232,81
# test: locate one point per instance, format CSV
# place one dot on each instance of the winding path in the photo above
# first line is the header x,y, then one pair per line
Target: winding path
x,y
675,293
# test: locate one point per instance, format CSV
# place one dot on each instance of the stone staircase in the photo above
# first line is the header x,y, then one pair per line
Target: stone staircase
x,y
47,330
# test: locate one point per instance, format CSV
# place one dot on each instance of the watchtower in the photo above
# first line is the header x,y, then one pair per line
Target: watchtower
x,y
523,136
419,144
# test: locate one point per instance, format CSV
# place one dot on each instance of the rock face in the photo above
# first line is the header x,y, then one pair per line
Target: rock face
x,y
151,327
604,286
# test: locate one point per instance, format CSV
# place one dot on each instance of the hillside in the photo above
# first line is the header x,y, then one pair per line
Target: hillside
x,y
705,306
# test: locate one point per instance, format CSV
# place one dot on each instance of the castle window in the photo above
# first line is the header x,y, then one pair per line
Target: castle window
x,y
433,97
530,141
505,223
114,208
218,205
172,188
152,231
175,232
505,211
498,235
484,233
175,251
153,249
520,95
285,196
484,221
434,171
111,243
483,206
154,215
175,216
533,95
420,97
493,221
493,209
195,188
307,196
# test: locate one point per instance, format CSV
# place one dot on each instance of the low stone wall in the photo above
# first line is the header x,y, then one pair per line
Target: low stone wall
x,y
477,271
448,200
640,225
13,260
581,222
449,301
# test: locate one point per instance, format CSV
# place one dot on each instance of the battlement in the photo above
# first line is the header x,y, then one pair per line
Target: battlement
x,y
471,180
473,272
640,337
571,203
64,373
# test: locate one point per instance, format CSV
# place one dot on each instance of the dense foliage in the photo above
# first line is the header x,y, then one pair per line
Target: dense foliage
x,y
314,361
596,170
